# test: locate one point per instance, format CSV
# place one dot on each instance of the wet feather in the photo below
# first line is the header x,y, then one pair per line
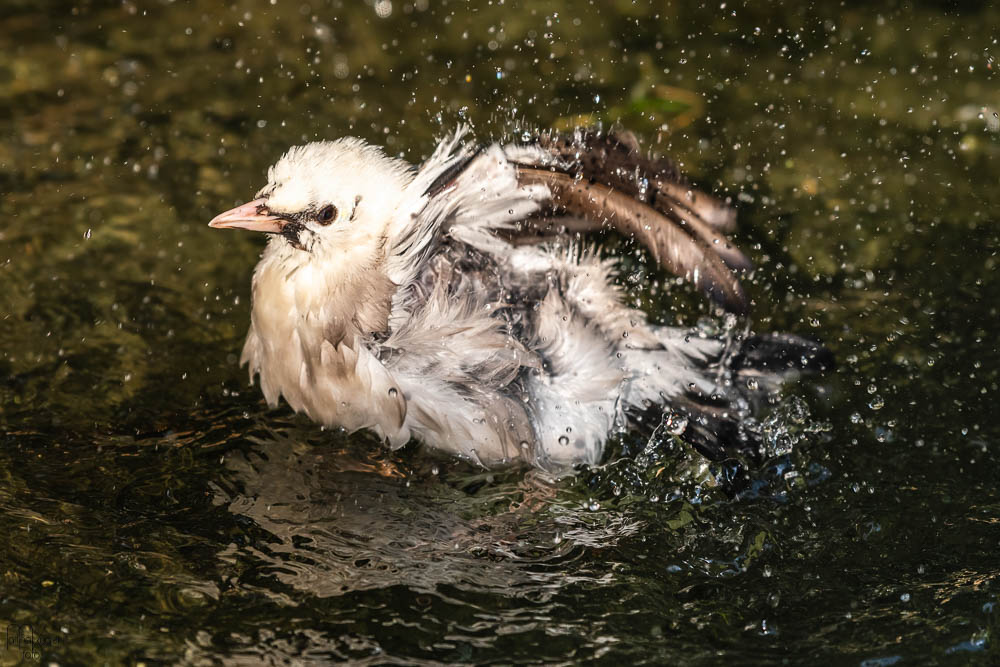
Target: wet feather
x,y
411,311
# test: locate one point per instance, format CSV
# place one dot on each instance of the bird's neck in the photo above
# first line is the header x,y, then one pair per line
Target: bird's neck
x,y
339,297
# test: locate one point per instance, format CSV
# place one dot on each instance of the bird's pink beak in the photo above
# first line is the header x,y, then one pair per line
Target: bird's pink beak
x,y
253,216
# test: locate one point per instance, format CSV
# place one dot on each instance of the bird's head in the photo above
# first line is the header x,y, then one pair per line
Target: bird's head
x,y
324,198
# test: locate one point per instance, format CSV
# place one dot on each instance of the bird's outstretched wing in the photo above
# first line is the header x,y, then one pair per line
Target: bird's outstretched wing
x,y
597,179
604,180
463,191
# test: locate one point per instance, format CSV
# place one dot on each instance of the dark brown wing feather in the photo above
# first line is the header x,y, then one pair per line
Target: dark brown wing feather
x,y
603,178
615,158
671,244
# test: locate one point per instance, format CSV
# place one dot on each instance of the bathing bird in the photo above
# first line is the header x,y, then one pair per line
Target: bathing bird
x,y
459,304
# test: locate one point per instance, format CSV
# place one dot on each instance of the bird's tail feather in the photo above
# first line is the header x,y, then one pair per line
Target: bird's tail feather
x,y
716,423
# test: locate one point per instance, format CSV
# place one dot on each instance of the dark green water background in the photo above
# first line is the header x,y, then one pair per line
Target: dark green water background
x,y
153,510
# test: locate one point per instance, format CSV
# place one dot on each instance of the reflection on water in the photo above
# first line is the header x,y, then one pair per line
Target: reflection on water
x,y
339,522
341,526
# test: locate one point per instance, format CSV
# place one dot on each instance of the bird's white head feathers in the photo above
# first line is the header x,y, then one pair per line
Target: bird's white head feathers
x,y
330,208
334,192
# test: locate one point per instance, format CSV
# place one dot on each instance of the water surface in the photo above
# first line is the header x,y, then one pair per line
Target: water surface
x,y
153,509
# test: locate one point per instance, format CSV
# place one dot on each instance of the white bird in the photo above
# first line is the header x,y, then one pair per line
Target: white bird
x,y
453,303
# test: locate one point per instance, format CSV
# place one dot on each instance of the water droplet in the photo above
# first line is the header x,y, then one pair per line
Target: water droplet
x,y
393,392
876,403
87,233
675,422
563,440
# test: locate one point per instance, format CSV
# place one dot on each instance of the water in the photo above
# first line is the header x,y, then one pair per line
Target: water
x,y
153,509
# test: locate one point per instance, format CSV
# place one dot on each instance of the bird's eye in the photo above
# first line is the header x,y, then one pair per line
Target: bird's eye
x,y
326,214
